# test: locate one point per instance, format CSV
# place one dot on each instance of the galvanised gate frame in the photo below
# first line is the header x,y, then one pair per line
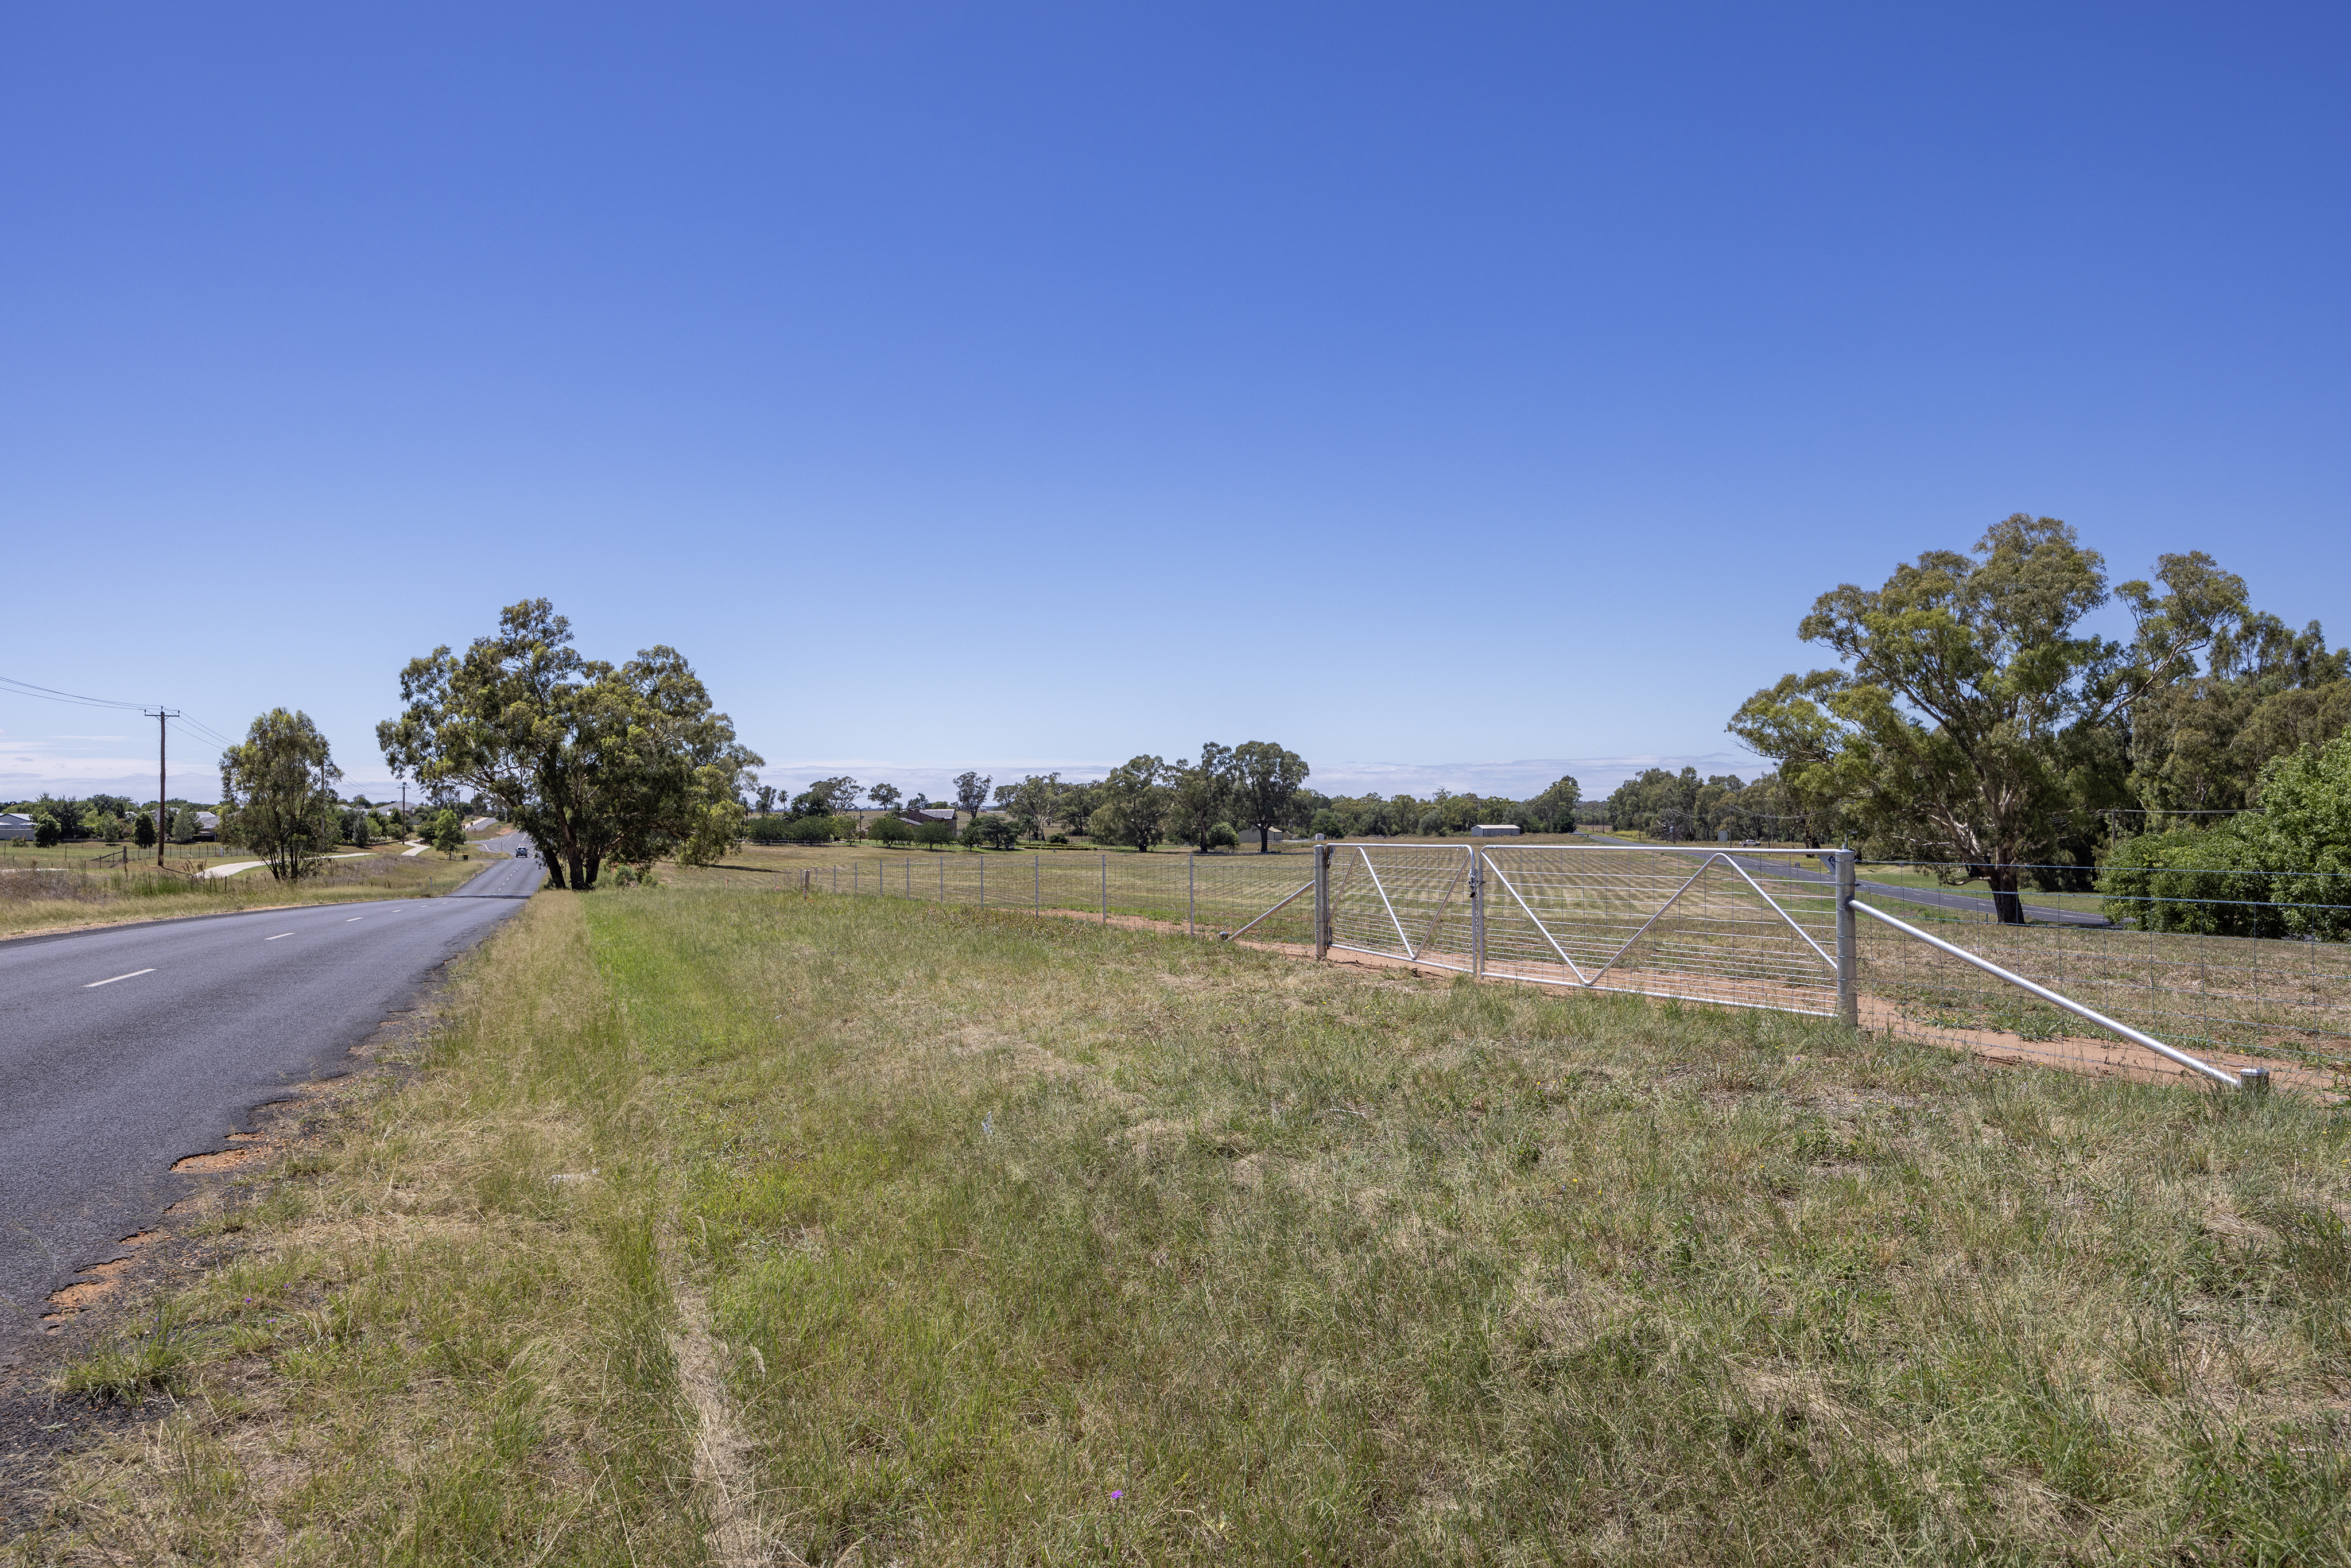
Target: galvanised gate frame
x,y
1734,927
1743,928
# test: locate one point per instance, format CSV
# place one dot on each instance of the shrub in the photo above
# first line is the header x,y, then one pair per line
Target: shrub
x,y
935,835
2285,872
990,834
889,829
1329,824
1223,837
2194,880
46,832
1058,839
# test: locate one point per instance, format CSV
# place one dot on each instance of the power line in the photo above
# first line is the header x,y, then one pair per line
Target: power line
x,y
50,694
27,688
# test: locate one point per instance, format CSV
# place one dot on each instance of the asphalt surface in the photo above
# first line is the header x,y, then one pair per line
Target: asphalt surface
x,y
126,1049
1932,897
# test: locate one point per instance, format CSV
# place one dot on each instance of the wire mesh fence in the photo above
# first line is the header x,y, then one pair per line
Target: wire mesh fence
x,y
2253,997
1743,928
1208,895
1705,927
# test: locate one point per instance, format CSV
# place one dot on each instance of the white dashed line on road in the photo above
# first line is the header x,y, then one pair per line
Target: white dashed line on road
x,y
132,976
355,917
279,938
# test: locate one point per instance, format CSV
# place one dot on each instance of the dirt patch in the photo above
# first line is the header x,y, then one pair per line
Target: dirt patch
x,y
95,1284
218,1160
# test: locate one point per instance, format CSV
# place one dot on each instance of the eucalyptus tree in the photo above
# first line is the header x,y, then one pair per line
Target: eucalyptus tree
x,y
277,793
1205,792
594,761
1136,801
1973,710
1266,780
971,791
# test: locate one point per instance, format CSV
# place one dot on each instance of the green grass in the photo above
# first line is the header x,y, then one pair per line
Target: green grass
x,y
1037,1241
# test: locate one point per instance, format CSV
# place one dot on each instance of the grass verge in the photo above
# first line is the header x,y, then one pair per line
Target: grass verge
x,y
1031,1240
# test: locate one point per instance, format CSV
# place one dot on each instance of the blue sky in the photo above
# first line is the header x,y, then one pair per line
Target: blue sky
x,y
1455,394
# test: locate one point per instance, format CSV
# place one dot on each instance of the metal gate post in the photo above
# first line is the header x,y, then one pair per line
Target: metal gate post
x,y
1477,911
1105,887
983,881
1322,898
1848,954
1191,888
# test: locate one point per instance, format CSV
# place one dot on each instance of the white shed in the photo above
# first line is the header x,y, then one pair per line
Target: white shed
x,y
1495,831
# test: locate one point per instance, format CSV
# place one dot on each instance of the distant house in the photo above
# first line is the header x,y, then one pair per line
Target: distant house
x,y
207,826
1495,831
15,825
916,818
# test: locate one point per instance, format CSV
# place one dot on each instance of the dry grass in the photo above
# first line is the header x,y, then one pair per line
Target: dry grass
x,y
428,1350
56,898
1037,1241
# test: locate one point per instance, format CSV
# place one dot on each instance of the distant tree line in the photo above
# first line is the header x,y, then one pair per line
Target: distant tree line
x,y
1972,721
1228,797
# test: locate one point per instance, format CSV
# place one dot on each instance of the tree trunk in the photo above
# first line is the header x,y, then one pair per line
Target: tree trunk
x,y
1264,840
2008,904
594,863
578,875
554,865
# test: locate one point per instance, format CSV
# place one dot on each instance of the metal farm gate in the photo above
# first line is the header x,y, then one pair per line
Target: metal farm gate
x,y
1650,921
1733,928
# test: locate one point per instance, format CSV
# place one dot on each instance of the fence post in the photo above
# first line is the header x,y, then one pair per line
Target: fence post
x,y
1322,898
1190,888
1036,877
1477,911
1848,952
1105,886
983,880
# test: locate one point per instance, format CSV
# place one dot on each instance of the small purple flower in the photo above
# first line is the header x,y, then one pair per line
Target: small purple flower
x,y
1116,1495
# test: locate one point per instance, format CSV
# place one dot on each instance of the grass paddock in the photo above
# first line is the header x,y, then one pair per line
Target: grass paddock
x,y
1040,1241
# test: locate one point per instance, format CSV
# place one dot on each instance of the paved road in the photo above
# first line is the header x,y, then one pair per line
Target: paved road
x,y
124,1049
1933,897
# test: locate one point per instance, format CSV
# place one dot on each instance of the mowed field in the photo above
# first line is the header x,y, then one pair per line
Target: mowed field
x,y
720,1225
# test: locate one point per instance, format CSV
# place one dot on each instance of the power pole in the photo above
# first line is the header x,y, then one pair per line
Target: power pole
x,y
161,715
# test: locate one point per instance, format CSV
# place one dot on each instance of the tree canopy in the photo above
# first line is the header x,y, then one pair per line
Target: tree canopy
x,y
595,762
1266,780
1971,709
277,793
1136,801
